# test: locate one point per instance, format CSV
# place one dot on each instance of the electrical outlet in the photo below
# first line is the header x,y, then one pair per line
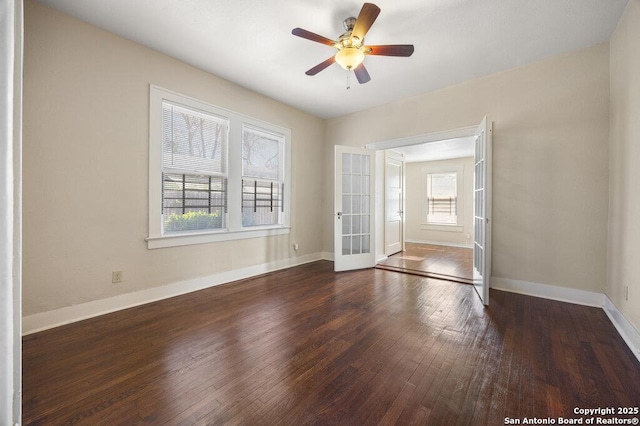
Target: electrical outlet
x,y
116,277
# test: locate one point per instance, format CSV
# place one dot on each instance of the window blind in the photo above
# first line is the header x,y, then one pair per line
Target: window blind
x,y
193,142
442,198
193,170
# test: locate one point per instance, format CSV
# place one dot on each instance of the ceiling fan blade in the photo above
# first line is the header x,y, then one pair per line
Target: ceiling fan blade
x,y
362,74
322,65
390,50
366,18
312,36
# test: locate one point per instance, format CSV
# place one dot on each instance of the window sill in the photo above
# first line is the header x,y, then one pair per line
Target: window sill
x,y
212,237
442,227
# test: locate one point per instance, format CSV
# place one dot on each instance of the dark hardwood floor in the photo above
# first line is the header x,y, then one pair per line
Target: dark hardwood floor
x,y
433,261
310,346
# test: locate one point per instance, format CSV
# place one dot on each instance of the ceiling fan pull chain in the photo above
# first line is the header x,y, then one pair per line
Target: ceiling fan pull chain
x,y
348,80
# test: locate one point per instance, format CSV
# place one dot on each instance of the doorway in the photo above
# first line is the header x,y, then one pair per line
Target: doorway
x,y
478,145
438,210
355,174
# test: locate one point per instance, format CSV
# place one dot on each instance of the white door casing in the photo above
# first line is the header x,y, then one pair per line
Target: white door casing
x,y
354,240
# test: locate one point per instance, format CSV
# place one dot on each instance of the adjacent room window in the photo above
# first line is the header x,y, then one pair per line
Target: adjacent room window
x,y
442,198
262,177
214,174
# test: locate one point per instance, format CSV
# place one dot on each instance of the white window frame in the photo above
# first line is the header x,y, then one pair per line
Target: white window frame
x,y
234,229
451,227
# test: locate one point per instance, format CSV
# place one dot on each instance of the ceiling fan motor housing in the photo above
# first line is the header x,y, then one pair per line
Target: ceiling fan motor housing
x,y
349,23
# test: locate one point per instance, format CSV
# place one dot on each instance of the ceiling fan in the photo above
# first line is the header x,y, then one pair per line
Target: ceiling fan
x,y
351,47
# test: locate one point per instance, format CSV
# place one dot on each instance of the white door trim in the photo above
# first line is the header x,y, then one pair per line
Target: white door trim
x,y
461,132
11,29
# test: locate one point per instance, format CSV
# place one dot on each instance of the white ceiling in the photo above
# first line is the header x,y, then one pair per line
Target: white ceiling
x,y
439,150
249,42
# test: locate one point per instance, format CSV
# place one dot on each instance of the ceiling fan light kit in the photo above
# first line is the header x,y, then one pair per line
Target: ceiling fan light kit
x,y
349,57
351,48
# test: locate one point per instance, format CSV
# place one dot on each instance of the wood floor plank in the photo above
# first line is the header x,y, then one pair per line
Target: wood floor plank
x,y
309,346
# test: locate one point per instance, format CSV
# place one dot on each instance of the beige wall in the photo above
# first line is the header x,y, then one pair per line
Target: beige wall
x,y
623,264
86,118
415,203
550,155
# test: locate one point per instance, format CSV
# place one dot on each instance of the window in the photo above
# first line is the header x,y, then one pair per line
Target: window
x,y
262,177
442,198
194,194
214,174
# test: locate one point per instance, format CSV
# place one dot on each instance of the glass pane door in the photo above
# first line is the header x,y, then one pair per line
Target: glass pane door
x,y
354,207
356,217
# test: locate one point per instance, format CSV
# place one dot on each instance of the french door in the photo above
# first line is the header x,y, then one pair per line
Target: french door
x,y
354,242
482,211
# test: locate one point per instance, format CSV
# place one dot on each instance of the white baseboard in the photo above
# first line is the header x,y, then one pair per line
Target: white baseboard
x,y
437,243
562,294
627,331
69,314
381,258
327,255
